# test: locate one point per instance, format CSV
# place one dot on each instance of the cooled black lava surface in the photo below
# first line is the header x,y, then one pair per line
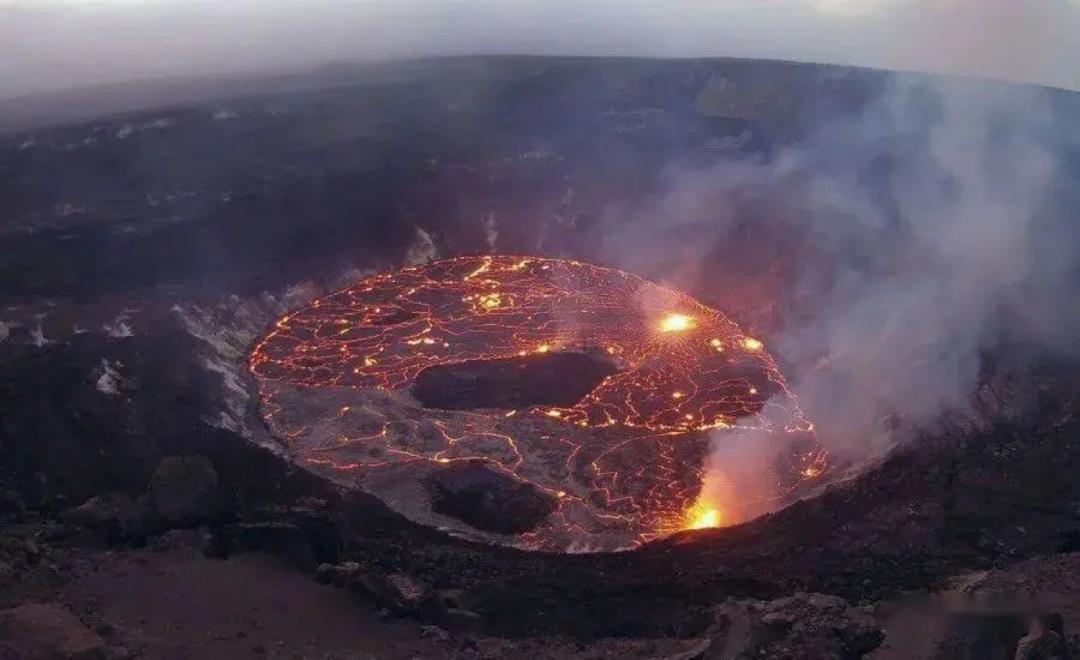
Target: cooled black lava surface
x,y
488,500
553,379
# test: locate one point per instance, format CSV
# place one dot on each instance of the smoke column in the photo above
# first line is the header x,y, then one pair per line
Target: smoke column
x,y
927,229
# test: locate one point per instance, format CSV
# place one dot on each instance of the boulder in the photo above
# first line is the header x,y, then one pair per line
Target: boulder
x,y
304,536
487,499
184,490
47,631
115,515
805,625
399,593
451,609
98,511
341,575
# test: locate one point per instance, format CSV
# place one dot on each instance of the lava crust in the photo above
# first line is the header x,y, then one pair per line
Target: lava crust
x,y
554,379
488,500
619,448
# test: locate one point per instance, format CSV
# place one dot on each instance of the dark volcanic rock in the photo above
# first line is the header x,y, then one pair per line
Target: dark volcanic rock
x,y
98,510
805,625
46,631
115,514
303,543
184,490
556,379
982,635
341,575
487,500
449,608
399,593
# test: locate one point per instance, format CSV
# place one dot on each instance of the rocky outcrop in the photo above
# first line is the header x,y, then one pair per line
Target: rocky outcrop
x,y
806,625
452,609
115,516
486,499
184,490
399,593
404,595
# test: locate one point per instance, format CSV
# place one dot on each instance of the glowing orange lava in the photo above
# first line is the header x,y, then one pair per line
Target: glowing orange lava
x,y
676,323
683,368
702,517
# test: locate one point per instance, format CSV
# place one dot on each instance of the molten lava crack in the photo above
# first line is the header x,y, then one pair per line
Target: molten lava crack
x,y
624,461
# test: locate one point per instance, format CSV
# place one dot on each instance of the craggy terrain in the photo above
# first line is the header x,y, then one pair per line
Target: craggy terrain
x,y
142,252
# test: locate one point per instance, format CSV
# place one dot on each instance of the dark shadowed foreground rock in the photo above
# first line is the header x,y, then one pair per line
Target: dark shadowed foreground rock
x,y
115,515
451,609
34,631
399,593
404,595
980,635
556,379
99,510
488,500
805,625
184,490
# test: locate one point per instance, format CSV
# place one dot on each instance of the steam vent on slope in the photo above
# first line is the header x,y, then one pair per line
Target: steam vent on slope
x,y
540,403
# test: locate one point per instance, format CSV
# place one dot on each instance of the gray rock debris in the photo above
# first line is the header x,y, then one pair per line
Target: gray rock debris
x,y
805,625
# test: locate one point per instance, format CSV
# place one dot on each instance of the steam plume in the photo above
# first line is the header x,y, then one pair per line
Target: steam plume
x,y
920,233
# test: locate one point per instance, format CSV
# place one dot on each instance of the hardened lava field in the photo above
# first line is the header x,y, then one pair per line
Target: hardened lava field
x,y
620,465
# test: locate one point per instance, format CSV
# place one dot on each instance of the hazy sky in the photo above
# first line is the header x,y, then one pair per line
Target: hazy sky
x,y
47,44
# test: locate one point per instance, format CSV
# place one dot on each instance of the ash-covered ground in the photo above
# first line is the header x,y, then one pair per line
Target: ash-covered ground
x,y
143,251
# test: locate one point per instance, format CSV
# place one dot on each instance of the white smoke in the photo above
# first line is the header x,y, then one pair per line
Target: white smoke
x,y
422,250
959,245
738,471
922,232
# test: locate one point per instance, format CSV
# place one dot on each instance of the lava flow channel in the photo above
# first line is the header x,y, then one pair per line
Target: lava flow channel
x,y
625,461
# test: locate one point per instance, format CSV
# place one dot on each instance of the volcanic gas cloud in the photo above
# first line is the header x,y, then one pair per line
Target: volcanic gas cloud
x,y
340,383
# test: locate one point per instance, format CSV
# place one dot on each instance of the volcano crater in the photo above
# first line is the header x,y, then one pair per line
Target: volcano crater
x,y
542,403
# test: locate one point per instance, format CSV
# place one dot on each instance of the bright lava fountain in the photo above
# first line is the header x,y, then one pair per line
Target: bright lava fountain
x,y
623,464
